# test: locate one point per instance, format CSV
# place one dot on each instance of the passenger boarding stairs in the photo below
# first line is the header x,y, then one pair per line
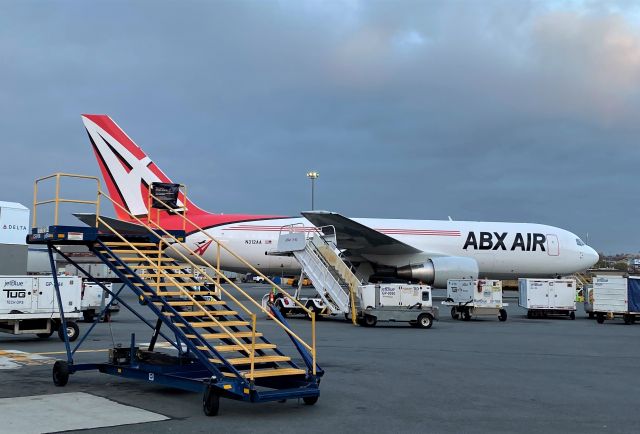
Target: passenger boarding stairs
x,y
213,328
320,259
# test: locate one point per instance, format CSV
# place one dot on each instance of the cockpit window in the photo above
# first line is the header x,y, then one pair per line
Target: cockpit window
x,y
579,242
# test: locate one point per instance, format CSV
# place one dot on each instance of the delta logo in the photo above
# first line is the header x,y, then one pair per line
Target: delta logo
x,y
14,227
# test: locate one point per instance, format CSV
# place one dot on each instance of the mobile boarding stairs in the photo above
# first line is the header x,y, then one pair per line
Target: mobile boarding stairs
x,y
218,348
320,259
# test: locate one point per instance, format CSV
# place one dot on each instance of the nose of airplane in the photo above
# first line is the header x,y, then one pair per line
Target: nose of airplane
x,y
591,256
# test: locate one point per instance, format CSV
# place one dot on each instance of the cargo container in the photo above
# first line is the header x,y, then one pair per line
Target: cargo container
x,y
544,297
28,305
615,297
472,298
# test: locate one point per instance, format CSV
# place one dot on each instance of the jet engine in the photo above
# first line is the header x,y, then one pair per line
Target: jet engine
x,y
436,271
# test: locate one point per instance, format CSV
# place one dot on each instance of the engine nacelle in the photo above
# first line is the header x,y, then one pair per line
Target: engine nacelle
x,y
436,271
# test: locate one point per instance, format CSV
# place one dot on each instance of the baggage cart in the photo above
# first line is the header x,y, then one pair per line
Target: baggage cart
x,y
472,298
548,297
616,297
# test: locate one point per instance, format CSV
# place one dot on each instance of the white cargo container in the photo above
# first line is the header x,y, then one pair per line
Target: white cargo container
x,y
610,297
542,297
28,305
471,297
94,300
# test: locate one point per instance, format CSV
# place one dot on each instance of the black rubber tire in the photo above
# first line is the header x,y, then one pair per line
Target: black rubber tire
x,y
502,315
310,400
106,317
592,315
633,319
425,320
626,318
572,316
466,315
73,331
45,335
88,315
600,318
210,402
60,373
370,321
529,314
454,313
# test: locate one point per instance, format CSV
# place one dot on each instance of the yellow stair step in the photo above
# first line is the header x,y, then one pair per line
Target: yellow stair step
x,y
224,323
191,303
155,276
271,372
122,243
203,313
135,252
180,293
141,259
227,348
182,284
224,335
256,359
153,267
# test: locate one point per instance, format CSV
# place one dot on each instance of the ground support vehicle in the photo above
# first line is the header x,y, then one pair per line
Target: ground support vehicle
x,y
613,297
28,305
287,306
547,297
396,303
470,298
94,300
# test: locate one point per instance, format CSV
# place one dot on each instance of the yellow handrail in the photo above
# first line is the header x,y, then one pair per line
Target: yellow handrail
x,y
216,282
57,200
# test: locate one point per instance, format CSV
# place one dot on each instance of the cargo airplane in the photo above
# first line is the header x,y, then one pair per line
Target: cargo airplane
x,y
430,251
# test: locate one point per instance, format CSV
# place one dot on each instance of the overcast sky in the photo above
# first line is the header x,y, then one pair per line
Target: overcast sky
x,y
478,110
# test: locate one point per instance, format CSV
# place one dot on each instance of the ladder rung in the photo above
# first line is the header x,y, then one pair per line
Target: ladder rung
x,y
227,348
256,359
221,323
260,373
191,303
153,276
224,335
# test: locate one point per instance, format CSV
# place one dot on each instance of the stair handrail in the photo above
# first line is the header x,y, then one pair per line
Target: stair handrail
x,y
177,284
177,241
100,193
57,200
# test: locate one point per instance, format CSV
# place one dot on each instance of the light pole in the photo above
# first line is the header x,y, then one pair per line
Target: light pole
x,y
313,176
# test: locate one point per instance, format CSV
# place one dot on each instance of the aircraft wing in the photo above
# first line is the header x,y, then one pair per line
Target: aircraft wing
x,y
119,225
358,238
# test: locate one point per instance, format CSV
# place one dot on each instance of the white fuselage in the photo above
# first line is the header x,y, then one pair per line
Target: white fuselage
x,y
502,250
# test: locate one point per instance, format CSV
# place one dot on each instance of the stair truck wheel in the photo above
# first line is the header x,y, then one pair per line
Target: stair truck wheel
x,y
502,315
60,373
572,315
454,313
210,401
467,314
425,321
370,321
600,318
73,331
310,400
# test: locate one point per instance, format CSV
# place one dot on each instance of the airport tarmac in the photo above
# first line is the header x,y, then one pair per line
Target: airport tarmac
x,y
543,375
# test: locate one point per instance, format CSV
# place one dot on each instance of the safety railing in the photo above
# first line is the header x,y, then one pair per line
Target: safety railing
x,y
57,200
163,234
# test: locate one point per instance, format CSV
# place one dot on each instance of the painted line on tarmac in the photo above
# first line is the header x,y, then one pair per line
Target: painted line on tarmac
x,y
14,359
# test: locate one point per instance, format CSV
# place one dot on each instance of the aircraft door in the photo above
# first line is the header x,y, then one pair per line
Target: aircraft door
x,y
553,247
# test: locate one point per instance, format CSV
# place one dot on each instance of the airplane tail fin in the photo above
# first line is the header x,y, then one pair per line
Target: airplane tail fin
x,y
126,169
